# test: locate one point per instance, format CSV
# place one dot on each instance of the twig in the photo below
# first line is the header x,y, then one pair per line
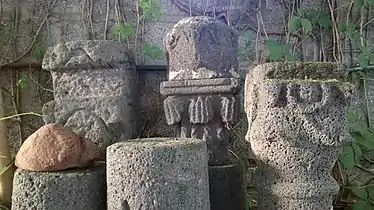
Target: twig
x,y
29,48
21,114
106,19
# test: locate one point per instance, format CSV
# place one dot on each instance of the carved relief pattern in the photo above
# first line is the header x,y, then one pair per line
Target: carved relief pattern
x,y
204,117
296,136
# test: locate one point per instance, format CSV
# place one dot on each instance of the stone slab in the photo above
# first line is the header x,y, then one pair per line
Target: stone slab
x,y
69,190
104,120
158,173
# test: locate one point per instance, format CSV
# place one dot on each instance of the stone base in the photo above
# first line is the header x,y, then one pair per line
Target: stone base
x,y
158,174
227,187
69,190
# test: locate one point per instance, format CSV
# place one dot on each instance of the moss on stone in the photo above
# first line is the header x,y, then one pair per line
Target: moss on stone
x,y
305,71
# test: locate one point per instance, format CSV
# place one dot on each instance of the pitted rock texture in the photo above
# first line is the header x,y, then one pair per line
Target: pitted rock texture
x,y
53,148
158,173
104,120
87,54
227,188
297,128
201,48
95,83
70,189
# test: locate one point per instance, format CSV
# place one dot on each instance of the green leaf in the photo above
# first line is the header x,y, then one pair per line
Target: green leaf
x,y
364,137
153,51
307,25
324,20
358,3
360,192
295,24
287,52
370,2
363,60
361,205
275,50
371,193
357,153
39,51
248,38
125,30
342,27
351,31
22,82
347,158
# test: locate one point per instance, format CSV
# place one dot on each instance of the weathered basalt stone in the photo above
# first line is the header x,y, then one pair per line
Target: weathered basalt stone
x,y
104,120
91,68
202,97
297,128
158,173
201,48
95,89
71,189
226,184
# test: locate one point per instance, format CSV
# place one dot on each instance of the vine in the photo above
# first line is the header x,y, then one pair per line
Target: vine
x,y
146,10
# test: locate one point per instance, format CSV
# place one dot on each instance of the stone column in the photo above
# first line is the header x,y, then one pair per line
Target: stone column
x,y
70,189
95,90
158,173
296,128
202,98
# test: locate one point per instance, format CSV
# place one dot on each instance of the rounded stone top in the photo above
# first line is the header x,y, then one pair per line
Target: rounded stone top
x,y
201,47
86,54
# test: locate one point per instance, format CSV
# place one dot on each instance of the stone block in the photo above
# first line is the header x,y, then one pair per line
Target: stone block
x,y
89,68
201,48
227,187
297,129
70,190
104,120
158,173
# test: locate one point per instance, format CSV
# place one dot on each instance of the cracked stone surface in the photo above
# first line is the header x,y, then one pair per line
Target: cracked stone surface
x,y
297,128
158,173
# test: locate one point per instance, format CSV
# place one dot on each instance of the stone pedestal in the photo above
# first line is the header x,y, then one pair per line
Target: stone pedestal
x,y
71,189
226,184
202,97
95,90
158,173
297,128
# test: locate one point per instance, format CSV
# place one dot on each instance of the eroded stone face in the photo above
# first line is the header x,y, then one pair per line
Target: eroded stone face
x,y
201,48
86,54
297,128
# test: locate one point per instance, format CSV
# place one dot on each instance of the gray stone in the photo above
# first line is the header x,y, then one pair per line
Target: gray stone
x,y
98,82
104,120
71,190
89,68
227,189
201,48
86,54
203,109
158,173
296,128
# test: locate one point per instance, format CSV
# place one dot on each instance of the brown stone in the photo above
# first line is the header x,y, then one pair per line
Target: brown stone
x,y
54,147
